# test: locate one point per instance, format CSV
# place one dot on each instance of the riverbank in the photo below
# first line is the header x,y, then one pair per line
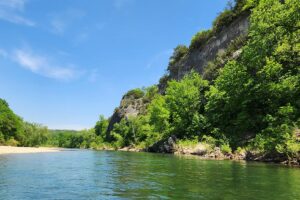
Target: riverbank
x,y
23,150
208,152
217,155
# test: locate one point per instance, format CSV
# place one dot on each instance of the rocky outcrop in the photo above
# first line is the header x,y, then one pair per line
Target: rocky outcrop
x,y
164,146
197,59
130,106
202,150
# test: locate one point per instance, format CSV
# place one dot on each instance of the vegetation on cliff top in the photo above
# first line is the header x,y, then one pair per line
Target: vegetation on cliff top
x,y
234,9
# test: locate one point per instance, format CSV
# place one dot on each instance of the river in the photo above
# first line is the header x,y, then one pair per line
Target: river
x,y
84,174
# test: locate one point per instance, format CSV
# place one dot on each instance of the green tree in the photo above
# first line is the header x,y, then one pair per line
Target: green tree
x,y
185,101
10,123
101,126
251,91
159,115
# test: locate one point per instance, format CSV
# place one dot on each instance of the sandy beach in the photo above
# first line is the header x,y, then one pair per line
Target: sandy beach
x,y
21,150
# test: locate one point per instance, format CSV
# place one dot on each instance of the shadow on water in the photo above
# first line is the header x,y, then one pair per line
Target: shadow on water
x,y
125,175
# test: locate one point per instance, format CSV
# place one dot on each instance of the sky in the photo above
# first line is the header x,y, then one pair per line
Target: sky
x,y
65,62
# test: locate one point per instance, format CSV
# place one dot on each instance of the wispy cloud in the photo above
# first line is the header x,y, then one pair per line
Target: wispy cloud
x,y
42,65
60,22
159,58
12,10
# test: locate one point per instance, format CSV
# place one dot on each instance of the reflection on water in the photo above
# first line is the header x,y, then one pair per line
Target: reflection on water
x,y
122,175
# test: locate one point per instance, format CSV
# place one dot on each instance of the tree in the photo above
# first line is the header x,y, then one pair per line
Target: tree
x,y
252,91
185,102
10,123
101,126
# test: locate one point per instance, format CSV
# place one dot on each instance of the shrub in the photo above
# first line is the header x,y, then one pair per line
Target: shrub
x,y
119,141
135,93
225,149
209,140
200,39
188,143
230,14
179,52
290,148
12,142
240,150
2,140
223,20
150,94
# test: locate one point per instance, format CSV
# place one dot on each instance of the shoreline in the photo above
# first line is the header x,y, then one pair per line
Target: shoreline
x,y
4,150
231,156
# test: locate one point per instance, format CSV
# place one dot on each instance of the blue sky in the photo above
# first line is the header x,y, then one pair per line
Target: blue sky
x,y
65,62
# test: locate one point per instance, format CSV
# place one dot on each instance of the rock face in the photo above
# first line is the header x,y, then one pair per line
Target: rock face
x,y
129,107
197,59
164,146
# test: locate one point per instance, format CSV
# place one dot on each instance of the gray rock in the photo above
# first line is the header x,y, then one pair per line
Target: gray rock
x,y
164,146
197,59
129,107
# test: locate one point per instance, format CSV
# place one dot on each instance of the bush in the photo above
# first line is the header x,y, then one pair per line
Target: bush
x,y
179,52
240,150
223,20
200,39
226,149
150,94
188,143
209,140
119,141
12,142
290,148
135,93
229,14
2,140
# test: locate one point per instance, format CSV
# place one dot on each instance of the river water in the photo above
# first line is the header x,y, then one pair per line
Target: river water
x,y
84,174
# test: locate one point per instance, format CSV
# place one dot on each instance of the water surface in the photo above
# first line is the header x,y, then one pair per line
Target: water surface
x,y
124,175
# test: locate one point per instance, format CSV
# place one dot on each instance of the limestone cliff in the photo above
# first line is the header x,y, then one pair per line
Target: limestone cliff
x,y
195,59
131,105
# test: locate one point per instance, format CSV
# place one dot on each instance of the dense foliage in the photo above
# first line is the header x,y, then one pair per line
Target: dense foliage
x,y
74,139
14,131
